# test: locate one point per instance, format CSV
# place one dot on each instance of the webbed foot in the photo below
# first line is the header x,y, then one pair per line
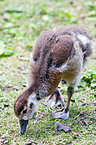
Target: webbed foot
x,y
55,100
61,114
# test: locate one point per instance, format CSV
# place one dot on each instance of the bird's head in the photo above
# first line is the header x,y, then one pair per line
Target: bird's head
x,y
24,108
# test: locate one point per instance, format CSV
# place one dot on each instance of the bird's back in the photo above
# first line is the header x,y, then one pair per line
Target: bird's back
x,y
60,35
61,52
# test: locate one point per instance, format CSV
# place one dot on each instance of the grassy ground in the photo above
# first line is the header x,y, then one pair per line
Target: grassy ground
x,y
20,24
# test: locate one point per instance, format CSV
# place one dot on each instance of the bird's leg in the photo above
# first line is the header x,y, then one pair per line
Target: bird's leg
x,y
55,100
64,114
59,99
70,92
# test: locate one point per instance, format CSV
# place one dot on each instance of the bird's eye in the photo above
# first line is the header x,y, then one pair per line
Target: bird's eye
x,y
24,111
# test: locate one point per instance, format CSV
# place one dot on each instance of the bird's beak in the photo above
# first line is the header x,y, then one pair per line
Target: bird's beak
x,y
23,125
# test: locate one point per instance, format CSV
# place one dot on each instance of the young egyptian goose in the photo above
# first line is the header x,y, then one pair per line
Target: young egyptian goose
x,y
58,55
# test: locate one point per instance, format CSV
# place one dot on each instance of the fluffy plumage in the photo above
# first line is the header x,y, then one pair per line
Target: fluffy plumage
x,y
58,55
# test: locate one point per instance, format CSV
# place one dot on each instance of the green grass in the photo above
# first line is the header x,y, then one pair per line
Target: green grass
x,y
20,24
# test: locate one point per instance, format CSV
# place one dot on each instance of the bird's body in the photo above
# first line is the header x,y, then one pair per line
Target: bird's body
x,y
58,55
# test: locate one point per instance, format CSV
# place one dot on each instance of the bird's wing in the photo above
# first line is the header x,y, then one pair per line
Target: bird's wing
x,y
42,39
63,50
